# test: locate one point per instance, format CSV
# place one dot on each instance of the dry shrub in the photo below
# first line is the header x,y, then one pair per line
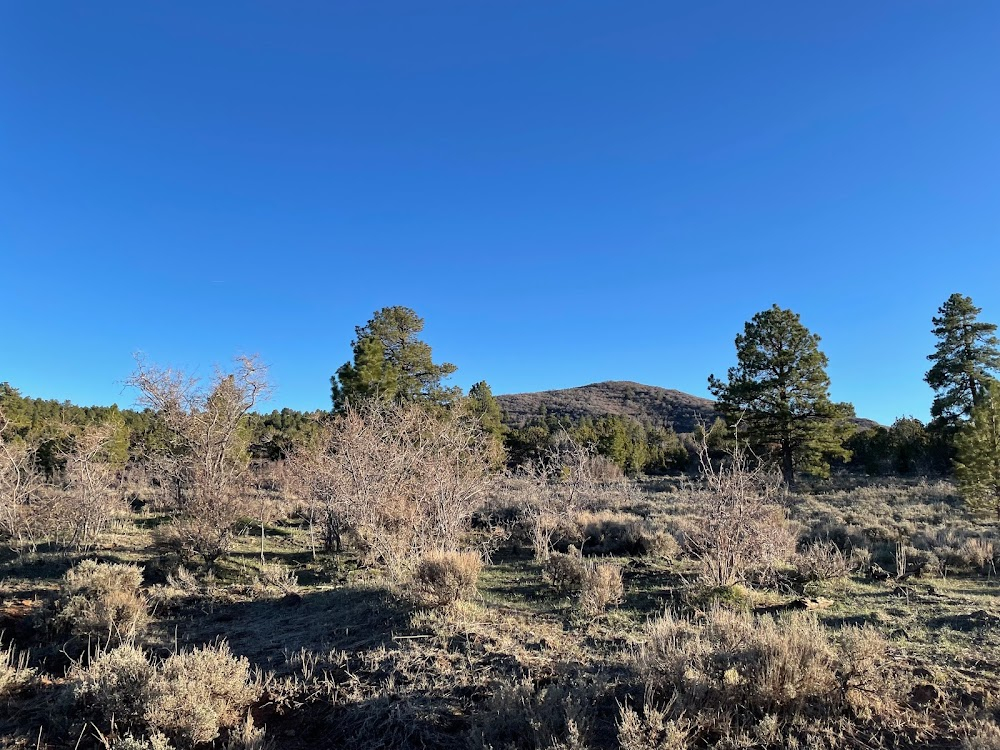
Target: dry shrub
x,y
442,578
866,681
822,561
22,506
188,697
651,730
403,479
278,576
198,692
156,741
553,489
742,668
525,715
103,600
117,685
978,553
737,526
14,670
90,501
982,734
565,571
208,468
602,588
610,533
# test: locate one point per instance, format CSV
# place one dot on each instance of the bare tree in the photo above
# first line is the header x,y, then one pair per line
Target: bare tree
x,y
738,524
403,479
91,500
20,485
554,488
208,462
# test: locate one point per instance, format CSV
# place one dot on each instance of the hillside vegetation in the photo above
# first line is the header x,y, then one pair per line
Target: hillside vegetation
x,y
649,404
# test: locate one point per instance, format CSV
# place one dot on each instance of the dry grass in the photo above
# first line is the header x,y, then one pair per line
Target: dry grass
x,y
554,654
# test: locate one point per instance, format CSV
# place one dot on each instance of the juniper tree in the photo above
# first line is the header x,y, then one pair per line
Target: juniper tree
x,y
965,358
779,392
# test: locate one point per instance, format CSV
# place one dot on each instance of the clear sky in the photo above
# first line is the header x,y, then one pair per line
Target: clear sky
x,y
567,192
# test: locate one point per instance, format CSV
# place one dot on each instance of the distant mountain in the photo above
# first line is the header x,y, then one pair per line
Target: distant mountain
x,y
646,403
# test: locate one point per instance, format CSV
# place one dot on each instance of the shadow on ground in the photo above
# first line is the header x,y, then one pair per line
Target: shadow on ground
x,y
270,631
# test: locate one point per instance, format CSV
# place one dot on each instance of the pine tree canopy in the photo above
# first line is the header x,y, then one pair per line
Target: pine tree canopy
x,y
965,359
977,466
391,363
779,394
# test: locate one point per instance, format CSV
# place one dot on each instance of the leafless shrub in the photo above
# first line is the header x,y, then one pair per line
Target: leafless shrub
x,y
442,578
90,501
102,600
602,588
737,525
554,488
403,479
20,487
208,461
821,561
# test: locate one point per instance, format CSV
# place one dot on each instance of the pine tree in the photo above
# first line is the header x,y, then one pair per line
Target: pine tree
x,y
965,358
391,363
779,393
977,466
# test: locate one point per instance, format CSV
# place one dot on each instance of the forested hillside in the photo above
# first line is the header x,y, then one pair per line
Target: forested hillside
x,y
649,404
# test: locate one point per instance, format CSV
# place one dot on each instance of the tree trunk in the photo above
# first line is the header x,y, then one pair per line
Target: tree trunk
x,y
787,468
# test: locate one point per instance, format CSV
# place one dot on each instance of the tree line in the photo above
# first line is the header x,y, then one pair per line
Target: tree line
x,y
775,399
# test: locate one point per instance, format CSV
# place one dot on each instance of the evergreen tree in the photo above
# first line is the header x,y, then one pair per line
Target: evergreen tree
x,y
391,363
779,393
977,466
486,408
965,357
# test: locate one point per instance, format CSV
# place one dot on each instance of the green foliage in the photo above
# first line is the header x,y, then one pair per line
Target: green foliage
x,y
907,447
779,393
977,466
965,358
486,408
54,427
391,364
278,435
634,447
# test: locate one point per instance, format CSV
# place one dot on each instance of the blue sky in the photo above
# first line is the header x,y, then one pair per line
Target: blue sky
x,y
567,192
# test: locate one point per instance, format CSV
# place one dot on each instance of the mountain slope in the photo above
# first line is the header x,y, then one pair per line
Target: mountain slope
x,y
646,403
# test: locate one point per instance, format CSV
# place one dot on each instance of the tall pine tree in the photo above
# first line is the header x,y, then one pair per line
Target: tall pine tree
x,y
965,358
391,363
779,393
